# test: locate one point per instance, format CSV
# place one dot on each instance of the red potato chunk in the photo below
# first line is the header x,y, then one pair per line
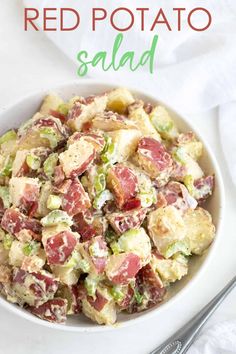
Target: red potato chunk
x,y
176,194
122,222
203,188
42,132
34,289
53,310
95,252
122,268
59,247
126,302
101,309
84,110
96,140
76,160
14,222
72,294
99,302
110,121
59,175
150,287
122,181
83,225
20,168
153,157
75,200
24,194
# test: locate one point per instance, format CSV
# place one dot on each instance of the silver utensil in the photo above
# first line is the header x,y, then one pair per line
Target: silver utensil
x,y
180,342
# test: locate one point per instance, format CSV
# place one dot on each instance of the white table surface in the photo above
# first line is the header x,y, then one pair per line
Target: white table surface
x,y
28,62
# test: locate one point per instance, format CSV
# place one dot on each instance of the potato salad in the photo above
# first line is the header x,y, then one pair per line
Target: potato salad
x,y
101,207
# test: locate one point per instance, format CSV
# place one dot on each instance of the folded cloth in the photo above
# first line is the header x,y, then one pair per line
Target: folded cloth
x,y
194,71
219,339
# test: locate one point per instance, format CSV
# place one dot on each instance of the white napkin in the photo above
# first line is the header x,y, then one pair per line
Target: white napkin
x,y
194,71
219,339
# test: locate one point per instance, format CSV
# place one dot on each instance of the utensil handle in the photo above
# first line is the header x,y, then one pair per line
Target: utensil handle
x,y
179,342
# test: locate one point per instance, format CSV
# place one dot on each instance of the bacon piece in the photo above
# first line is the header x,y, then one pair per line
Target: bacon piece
x,y
132,204
59,247
75,200
58,115
13,222
53,310
123,183
122,222
122,268
153,157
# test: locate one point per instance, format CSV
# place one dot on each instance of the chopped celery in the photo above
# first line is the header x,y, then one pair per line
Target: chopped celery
x,y
74,260
33,161
148,198
7,168
53,202
117,293
50,135
96,251
108,153
100,183
10,135
162,127
5,196
102,198
50,164
163,123
179,155
177,247
115,247
7,241
63,109
103,169
91,285
138,297
84,266
56,217
31,248
189,183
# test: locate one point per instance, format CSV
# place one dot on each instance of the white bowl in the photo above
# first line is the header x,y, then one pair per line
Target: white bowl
x,y
26,107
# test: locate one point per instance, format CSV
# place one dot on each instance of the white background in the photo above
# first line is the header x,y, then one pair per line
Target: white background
x,y
28,62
